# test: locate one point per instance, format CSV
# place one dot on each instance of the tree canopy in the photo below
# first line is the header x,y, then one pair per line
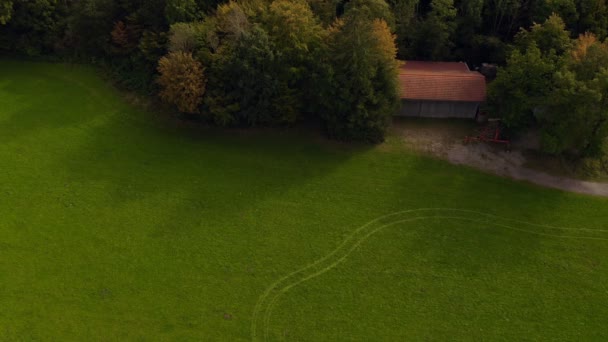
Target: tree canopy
x,y
364,85
182,81
6,11
558,85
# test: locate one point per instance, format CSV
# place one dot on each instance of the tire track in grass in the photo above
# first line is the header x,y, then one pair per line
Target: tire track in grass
x,y
263,309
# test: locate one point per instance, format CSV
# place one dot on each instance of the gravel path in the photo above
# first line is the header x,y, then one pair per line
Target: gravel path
x,y
443,140
510,164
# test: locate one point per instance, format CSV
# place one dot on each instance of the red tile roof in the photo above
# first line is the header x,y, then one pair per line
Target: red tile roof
x,y
441,81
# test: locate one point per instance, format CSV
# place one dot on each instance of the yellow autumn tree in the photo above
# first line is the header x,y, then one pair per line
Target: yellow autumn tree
x,y
588,56
182,81
582,44
385,42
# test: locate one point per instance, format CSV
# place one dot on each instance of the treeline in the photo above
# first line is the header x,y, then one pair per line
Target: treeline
x,y
254,62
238,63
464,30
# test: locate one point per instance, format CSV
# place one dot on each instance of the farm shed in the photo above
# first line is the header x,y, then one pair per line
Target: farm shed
x,y
440,90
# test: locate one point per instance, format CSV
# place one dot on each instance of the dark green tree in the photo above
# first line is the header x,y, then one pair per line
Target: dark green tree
x,y
468,22
244,87
501,17
35,26
406,16
325,10
566,9
551,37
299,40
6,11
183,11
364,92
576,119
593,17
434,35
263,72
521,87
89,27
372,9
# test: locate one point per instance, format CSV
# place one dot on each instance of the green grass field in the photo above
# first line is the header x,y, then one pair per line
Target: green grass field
x,y
117,224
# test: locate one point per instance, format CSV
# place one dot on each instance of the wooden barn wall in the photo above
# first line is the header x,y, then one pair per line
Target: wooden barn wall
x,y
438,109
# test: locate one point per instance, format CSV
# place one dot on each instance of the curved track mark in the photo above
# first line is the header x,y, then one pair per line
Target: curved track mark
x,y
269,298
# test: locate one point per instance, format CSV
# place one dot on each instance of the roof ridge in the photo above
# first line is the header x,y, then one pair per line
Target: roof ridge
x,y
436,86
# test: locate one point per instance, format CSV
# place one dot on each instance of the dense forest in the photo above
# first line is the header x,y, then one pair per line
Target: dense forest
x,y
263,62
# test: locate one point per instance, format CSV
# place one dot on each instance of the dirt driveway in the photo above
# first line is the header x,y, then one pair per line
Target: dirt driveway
x,y
444,139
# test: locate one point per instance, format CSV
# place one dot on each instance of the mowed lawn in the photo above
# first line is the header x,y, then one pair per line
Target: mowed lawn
x,y
121,224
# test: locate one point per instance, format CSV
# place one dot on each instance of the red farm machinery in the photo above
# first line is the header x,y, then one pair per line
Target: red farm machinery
x,y
492,131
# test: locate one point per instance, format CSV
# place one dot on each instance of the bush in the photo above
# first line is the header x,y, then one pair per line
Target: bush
x,y
593,167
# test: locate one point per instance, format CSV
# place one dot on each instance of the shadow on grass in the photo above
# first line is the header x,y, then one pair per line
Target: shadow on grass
x,y
134,155
40,96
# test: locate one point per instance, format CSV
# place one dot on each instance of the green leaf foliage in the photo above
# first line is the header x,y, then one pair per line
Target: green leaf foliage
x,y
263,72
562,88
566,9
325,10
186,37
593,17
521,87
434,37
371,9
6,11
576,120
364,91
550,37
181,11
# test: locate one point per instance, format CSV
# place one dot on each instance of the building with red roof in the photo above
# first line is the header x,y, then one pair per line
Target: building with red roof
x,y
440,90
